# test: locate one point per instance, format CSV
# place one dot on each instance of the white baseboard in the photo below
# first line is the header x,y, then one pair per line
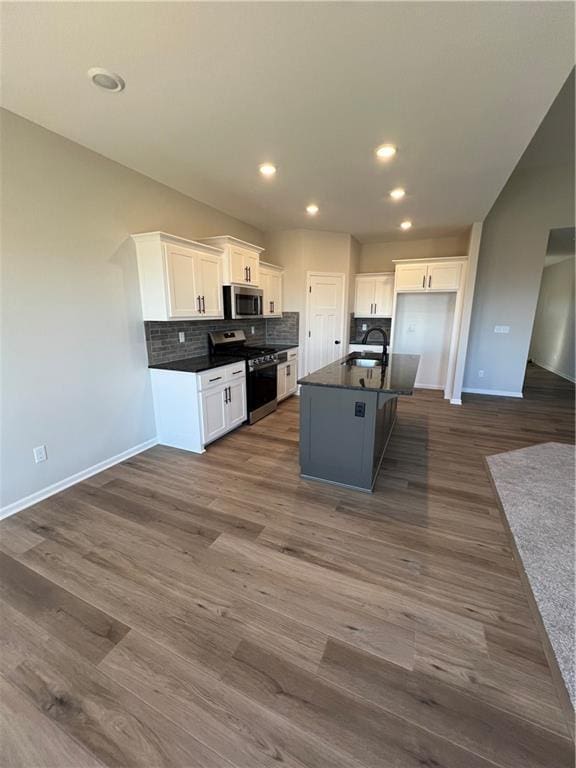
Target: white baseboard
x,y
34,498
455,401
494,392
553,370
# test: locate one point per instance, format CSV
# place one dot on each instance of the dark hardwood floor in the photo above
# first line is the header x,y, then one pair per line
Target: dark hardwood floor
x,y
216,610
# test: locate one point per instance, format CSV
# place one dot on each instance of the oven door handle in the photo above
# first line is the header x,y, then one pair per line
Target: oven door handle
x,y
264,367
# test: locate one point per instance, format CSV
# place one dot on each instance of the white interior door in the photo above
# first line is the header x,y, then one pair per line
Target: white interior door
x,y
325,321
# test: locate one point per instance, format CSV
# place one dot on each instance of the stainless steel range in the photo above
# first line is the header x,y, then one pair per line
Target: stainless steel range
x,y
262,364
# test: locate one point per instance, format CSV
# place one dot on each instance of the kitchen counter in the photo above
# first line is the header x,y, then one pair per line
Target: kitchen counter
x,y
363,370
347,414
198,364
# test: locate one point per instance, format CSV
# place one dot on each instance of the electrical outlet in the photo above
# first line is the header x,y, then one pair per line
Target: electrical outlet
x,y
252,330
360,409
480,374
181,337
364,326
40,454
501,329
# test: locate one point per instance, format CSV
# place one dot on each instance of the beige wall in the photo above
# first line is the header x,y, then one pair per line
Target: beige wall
x,y
552,344
74,373
538,196
378,257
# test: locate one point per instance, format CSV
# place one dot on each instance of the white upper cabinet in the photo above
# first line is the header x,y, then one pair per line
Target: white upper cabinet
x,y
241,260
271,284
374,295
411,277
444,276
179,279
429,276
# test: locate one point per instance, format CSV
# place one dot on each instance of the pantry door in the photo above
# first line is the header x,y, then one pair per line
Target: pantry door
x,y
324,319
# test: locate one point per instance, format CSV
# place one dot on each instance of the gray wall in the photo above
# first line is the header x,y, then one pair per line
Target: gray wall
x,y
552,344
74,364
538,197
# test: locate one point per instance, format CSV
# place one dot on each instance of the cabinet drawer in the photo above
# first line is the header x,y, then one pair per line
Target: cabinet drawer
x,y
292,353
217,376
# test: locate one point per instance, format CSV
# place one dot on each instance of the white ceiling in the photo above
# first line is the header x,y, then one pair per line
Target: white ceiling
x,y
214,89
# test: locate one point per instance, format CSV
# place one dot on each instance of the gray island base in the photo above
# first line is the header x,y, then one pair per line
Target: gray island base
x,y
347,413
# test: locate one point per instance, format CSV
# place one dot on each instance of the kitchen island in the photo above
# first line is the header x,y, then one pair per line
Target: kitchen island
x,y
347,413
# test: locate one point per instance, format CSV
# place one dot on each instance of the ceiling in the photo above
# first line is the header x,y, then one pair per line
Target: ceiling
x,y
215,89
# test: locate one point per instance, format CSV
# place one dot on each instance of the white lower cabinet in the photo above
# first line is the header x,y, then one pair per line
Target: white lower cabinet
x,y
194,409
288,375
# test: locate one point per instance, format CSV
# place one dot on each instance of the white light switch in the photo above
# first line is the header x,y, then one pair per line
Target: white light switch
x,y
40,454
181,337
501,329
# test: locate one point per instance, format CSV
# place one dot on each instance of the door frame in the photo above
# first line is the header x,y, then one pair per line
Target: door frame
x,y
344,340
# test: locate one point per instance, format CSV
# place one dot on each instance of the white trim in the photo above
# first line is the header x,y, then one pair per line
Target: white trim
x,y
553,370
430,260
164,237
466,313
495,392
343,314
50,490
456,401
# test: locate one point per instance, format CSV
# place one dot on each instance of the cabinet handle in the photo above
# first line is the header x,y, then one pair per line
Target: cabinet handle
x,y
375,308
249,274
246,274
235,372
424,281
225,395
229,394
199,305
429,281
216,379
287,370
273,307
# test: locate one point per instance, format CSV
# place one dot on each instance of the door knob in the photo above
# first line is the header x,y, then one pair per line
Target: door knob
x,y
336,342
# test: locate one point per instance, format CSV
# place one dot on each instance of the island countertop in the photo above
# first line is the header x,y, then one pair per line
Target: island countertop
x,y
364,371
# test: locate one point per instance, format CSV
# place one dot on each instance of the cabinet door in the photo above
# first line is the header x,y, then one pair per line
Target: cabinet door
x,y
214,413
209,281
238,265
384,296
236,406
274,292
364,297
282,381
410,277
183,294
252,262
444,276
291,378
266,285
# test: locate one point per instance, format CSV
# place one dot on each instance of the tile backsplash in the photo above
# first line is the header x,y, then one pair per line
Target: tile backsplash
x,y
356,332
163,343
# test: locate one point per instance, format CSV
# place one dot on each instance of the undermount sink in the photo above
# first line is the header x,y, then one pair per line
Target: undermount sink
x,y
363,360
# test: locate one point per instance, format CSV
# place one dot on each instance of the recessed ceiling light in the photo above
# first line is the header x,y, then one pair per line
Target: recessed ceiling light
x,y
108,81
398,193
406,224
312,209
267,169
386,151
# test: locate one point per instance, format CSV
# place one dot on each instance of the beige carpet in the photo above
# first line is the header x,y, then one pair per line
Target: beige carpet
x,y
536,489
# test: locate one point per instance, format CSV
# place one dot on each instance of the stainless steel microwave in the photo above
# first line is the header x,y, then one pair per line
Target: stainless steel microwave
x,y
242,302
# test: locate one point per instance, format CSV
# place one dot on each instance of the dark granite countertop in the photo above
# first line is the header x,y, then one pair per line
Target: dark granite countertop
x,y
396,378
198,364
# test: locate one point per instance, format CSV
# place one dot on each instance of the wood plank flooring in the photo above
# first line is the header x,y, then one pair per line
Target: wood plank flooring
x,y
180,610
